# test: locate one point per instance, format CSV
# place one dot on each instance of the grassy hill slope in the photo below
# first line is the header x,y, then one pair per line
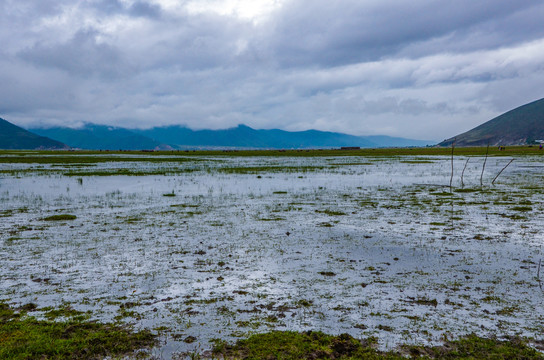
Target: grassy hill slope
x,y
519,126
14,137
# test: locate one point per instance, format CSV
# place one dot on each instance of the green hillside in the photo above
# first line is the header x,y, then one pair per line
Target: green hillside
x,y
523,125
14,137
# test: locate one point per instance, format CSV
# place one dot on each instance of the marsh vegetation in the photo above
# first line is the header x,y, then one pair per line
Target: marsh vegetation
x,y
203,248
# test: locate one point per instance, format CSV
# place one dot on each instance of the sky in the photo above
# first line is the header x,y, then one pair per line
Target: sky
x,y
422,69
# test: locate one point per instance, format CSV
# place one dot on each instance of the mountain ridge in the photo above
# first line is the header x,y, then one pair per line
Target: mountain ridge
x,y
101,137
519,126
241,136
15,137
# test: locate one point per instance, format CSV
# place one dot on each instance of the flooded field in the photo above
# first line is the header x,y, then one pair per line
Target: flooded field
x,y
198,248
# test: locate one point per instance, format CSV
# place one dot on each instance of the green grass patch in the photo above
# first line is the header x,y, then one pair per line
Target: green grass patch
x,y
289,345
522,208
442,193
491,299
467,190
305,303
94,156
278,218
351,164
65,312
508,310
130,172
60,217
475,347
331,212
185,205
25,337
84,158
424,301
268,169
326,273
6,213
417,162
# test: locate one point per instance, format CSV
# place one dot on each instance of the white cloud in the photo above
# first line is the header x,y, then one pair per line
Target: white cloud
x,y
253,10
428,70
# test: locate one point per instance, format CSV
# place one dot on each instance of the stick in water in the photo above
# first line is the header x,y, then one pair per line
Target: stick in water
x,y
493,182
483,168
463,173
538,274
452,148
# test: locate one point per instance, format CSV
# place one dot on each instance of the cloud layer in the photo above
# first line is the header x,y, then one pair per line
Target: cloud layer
x,y
423,69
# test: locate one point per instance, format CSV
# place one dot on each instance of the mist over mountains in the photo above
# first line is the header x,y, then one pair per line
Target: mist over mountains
x,y
92,136
99,137
522,125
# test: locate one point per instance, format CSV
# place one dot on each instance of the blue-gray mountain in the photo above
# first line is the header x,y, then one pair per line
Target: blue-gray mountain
x,y
99,137
178,137
15,137
523,125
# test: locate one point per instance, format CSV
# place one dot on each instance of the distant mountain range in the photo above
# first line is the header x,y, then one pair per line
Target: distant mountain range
x,y
99,137
93,136
523,125
15,137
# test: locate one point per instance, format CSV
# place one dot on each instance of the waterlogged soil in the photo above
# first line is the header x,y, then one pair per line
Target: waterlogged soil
x,y
224,247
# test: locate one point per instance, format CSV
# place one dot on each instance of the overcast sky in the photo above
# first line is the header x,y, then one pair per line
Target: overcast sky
x,y
425,69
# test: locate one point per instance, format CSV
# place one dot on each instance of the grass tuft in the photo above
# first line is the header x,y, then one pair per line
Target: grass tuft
x,y
289,345
60,217
24,337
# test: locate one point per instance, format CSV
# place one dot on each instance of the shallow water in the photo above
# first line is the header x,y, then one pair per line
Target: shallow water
x,y
367,246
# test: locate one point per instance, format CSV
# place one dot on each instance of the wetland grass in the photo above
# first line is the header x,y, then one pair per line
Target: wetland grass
x,y
131,172
86,157
331,212
241,207
60,217
25,337
269,169
289,345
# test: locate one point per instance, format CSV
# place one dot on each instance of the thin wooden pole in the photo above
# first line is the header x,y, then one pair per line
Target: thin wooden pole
x,y
463,173
483,167
500,172
452,148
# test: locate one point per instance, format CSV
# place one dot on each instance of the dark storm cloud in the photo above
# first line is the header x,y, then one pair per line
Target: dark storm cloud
x,y
138,8
107,7
521,25
82,55
334,33
193,43
29,8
